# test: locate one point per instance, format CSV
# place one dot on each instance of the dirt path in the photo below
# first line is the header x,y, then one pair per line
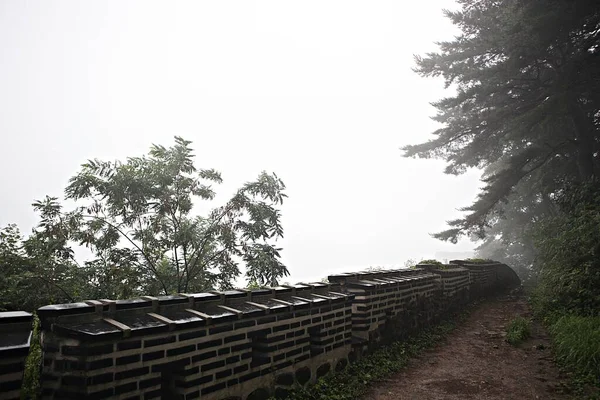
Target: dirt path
x,y
476,363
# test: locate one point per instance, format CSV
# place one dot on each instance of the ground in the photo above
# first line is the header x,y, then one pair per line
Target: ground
x,y
475,362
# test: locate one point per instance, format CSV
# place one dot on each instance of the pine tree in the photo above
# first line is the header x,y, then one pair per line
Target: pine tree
x,y
526,109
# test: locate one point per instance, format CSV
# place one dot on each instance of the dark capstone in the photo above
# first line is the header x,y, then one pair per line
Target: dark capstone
x,y
135,344
341,365
239,369
99,379
223,374
9,368
153,355
235,338
90,351
224,350
293,353
192,335
259,360
108,362
103,394
267,320
11,385
198,381
245,324
204,356
159,341
259,394
181,350
233,382
155,394
285,379
220,329
303,375
249,376
323,370
128,387
130,373
171,366
128,359
232,359
214,388
210,343
213,365
149,382
73,380
282,365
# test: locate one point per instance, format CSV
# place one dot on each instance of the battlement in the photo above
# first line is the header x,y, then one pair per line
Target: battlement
x,y
239,344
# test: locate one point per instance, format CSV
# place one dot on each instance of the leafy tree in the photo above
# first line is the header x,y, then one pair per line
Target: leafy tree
x,y
527,75
41,269
138,221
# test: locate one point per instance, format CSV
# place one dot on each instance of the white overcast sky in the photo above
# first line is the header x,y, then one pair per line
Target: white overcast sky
x,y
319,92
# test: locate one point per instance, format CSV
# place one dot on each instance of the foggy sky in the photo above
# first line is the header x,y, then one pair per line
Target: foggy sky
x,y
319,92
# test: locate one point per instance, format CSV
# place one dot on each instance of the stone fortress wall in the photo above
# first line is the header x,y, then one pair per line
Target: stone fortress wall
x,y
233,345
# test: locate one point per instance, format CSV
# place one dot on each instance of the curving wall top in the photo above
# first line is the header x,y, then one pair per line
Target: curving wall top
x,y
236,344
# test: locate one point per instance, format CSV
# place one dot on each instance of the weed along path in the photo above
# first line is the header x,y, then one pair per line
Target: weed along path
x,y
475,362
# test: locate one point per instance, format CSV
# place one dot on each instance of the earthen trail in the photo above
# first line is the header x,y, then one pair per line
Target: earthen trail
x,y
475,362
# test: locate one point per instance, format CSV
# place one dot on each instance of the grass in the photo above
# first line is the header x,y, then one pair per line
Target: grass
x,y
354,381
576,341
518,330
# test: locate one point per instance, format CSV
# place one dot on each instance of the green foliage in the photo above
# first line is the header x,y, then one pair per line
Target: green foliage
x,y
518,330
353,382
142,211
479,260
430,262
30,388
576,342
138,219
526,105
40,269
569,254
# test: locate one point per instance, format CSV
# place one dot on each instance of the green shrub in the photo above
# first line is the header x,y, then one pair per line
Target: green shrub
x,y
478,260
518,330
430,262
568,261
577,344
30,389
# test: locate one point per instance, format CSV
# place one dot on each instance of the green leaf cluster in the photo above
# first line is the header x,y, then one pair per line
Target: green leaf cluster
x,y
139,219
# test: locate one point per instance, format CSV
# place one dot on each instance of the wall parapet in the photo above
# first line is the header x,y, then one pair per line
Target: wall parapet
x,y
15,339
243,344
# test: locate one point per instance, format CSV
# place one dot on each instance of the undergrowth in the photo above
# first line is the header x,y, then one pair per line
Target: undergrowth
x,y
354,381
30,388
518,330
576,341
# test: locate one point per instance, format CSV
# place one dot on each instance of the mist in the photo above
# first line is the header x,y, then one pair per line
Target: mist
x,y
323,94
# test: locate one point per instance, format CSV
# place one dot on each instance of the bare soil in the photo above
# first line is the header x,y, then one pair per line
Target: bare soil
x,y
475,362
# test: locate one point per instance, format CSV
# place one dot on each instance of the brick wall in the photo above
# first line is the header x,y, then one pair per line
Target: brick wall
x,y
15,336
240,344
